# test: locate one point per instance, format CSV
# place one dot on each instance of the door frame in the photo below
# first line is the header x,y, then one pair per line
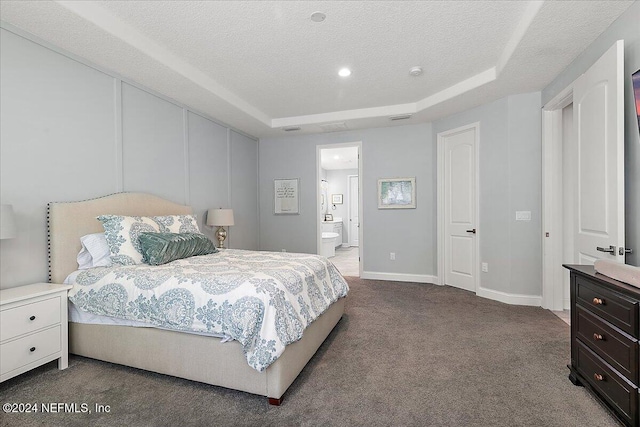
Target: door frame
x,y
350,241
552,246
319,148
440,201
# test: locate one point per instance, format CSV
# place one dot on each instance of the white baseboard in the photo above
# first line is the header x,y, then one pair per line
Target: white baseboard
x,y
515,299
398,277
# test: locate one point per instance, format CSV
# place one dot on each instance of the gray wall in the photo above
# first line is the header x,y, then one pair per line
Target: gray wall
x,y
624,28
510,181
404,151
70,132
338,185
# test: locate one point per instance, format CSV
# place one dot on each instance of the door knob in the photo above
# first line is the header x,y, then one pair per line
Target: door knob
x,y
610,250
473,230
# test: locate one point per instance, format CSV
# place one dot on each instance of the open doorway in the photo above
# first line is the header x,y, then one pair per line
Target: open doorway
x,y
339,216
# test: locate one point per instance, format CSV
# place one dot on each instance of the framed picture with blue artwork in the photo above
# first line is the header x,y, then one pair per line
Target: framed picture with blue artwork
x,y
397,193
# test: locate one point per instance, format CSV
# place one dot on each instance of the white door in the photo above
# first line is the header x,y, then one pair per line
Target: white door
x,y
354,222
460,207
598,116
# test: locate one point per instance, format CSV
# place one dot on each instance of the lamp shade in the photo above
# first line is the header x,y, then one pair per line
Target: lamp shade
x,y
8,228
220,217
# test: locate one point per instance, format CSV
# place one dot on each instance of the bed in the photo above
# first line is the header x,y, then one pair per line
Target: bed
x,y
185,355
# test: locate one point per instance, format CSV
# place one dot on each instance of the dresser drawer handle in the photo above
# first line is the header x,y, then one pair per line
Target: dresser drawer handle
x,y
32,318
32,349
598,337
598,377
598,301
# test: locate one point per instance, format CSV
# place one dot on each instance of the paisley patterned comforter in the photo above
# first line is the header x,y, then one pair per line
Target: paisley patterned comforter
x,y
264,300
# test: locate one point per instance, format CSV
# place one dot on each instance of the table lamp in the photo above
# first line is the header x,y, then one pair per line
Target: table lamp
x,y
220,218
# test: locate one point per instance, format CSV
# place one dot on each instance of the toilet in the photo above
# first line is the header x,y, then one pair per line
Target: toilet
x,y
328,244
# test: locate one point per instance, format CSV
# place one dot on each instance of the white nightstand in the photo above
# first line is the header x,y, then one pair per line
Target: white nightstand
x,y
33,328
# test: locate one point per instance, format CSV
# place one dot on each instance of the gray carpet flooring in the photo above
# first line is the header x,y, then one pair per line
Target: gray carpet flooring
x,y
403,355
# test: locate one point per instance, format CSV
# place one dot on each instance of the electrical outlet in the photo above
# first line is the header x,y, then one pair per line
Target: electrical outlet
x,y
485,267
392,256
523,215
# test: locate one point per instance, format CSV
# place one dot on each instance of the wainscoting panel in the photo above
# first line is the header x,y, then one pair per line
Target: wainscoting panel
x,y
208,167
152,145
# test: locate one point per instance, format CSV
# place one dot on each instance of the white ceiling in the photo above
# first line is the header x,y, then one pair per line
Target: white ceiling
x,y
263,65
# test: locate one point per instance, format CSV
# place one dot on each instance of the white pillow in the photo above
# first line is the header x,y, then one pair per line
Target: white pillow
x,y
95,252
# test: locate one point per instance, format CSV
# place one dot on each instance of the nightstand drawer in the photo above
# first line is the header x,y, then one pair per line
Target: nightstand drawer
x,y
29,349
616,390
29,317
615,347
611,306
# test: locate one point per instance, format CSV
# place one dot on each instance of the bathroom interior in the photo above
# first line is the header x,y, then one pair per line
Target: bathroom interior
x,y
338,216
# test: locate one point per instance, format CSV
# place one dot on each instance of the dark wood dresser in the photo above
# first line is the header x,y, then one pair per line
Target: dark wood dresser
x,y
605,329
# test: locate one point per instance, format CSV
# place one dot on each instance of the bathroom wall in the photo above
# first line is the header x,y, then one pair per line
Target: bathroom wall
x,y
338,184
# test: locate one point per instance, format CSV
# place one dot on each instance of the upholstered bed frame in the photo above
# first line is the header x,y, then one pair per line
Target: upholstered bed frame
x,y
189,356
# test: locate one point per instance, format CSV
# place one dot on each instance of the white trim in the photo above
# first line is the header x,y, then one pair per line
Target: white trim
x,y
507,298
349,242
440,202
360,199
552,255
399,277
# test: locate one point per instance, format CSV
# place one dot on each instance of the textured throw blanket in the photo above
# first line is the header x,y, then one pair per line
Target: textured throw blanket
x,y
264,300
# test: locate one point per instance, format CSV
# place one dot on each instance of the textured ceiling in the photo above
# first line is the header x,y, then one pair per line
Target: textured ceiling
x,y
260,66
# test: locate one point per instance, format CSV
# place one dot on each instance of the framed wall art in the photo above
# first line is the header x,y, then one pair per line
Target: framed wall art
x,y
286,196
397,193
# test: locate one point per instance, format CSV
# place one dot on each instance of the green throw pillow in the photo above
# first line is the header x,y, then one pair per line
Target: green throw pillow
x,y
161,248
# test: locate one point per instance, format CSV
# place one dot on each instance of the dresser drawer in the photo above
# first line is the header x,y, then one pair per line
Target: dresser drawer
x,y
615,347
29,317
616,308
29,349
614,389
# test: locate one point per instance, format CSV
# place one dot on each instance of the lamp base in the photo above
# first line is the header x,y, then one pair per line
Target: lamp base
x,y
221,235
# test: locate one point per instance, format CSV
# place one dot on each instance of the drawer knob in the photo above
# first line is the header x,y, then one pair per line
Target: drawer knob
x,y
598,337
32,349
598,301
32,318
598,377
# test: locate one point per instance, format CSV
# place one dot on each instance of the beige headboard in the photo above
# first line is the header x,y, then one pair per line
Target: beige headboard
x,y
68,221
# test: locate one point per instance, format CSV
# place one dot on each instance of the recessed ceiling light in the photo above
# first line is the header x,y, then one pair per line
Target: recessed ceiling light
x,y
345,72
336,157
415,71
318,16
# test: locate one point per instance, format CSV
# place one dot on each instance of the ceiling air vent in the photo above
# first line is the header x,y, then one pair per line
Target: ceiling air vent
x,y
334,127
291,128
400,117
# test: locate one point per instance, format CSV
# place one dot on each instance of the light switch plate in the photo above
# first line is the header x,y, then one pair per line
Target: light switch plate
x,y
523,215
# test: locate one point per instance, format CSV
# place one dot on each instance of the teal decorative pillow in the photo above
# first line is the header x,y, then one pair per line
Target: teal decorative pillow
x,y
161,248
122,234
